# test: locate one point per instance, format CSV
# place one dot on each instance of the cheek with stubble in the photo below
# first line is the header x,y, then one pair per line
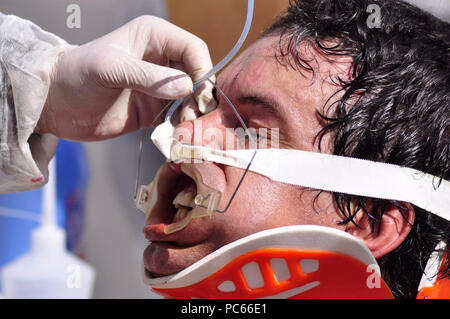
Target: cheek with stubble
x,y
263,204
260,204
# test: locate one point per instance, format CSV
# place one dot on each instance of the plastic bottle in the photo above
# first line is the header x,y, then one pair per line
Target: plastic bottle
x,y
48,270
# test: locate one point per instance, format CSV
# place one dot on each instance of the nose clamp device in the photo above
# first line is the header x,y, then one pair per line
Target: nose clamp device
x,y
207,200
145,196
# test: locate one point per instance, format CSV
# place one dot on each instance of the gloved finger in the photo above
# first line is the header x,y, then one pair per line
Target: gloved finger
x,y
203,95
145,110
189,109
162,82
185,52
176,44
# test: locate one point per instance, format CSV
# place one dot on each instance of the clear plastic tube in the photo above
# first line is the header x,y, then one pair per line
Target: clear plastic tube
x,y
224,61
207,199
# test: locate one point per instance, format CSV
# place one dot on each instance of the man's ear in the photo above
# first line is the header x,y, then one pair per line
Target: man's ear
x,y
388,234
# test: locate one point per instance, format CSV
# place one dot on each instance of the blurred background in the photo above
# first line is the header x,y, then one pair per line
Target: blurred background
x,y
97,179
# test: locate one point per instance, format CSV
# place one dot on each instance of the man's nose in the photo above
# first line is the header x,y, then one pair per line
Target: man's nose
x,y
207,130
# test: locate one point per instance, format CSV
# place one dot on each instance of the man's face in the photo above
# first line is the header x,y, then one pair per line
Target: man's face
x,y
267,94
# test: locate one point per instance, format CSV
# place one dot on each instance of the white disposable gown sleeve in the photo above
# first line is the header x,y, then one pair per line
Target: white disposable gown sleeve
x,y
27,55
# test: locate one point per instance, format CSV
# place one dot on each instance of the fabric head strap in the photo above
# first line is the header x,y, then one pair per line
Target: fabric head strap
x,y
321,171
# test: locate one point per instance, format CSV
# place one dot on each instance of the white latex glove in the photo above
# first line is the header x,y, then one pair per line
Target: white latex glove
x,y
119,83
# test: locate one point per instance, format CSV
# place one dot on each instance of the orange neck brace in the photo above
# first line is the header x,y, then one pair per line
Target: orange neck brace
x,y
313,274
287,262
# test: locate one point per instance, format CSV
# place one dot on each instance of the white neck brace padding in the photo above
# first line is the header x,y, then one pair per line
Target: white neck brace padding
x,y
321,171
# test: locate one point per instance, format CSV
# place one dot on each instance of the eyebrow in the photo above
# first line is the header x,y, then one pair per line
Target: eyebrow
x,y
266,103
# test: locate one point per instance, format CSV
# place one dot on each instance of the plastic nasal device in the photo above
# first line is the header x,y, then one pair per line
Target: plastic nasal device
x,y
48,271
207,201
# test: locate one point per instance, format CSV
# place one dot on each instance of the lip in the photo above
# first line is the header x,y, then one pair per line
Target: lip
x,y
159,266
155,232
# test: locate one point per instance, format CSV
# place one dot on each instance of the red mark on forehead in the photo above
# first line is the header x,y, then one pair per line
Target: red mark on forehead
x,y
254,77
256,72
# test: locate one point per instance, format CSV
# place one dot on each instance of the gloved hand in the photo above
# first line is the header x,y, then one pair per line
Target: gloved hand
x,y
118,83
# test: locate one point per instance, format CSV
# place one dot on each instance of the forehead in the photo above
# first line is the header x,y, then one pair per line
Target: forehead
x,y
254,68
261,71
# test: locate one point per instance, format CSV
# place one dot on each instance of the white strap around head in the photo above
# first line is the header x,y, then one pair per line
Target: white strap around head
x,y
322,171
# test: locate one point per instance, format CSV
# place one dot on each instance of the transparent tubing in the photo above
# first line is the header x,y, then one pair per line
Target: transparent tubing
x,y
207,199
224,61
206,202
214,70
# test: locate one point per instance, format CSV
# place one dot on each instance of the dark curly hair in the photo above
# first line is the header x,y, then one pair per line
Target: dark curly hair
x,y
395,108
